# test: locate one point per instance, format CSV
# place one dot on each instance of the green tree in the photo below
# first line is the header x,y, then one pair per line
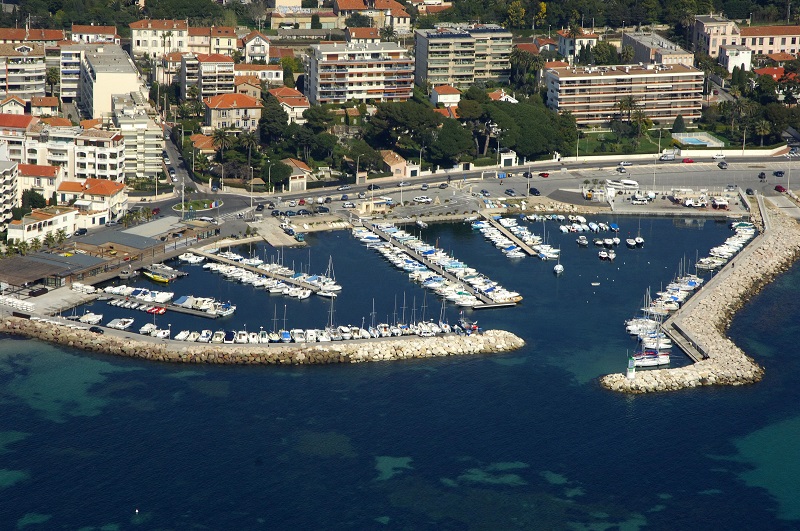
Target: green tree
x,y
605,53
521,62
357,20
249,140
318,118
364,155
315,23
678,126
32,199
388,33
49,239
452,141
276,173
221,140
762,128
35,244
274,120
61,236
626,54
52,78
516,15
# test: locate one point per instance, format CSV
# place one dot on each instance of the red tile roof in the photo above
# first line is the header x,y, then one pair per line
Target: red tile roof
x,y
47,101
38,170
583,35
214,31
13,98
162,24
17,121
775,72
94,30
203,142
766,31
92,123
254,34
363,33
297,164
529,47
213,58
781,56
252,80
555,64
92,186
283,92
21,34
279,53
290,97
232,101
70,186
436,9
57,121
446,89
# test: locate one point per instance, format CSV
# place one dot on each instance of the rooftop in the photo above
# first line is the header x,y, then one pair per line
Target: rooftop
x,y
656,41
767,31
110,58
623,71
232,101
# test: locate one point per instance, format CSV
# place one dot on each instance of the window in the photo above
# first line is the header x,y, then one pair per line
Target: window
x,y
783,40
772,40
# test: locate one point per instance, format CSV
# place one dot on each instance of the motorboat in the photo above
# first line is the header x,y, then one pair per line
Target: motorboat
x,y
241,337
230,337
263,336
91,318
218,337
630,242
323,336
558,269
603,255
274,337
298,335
651,358
205,336
161,333
182,335
285,336
583,241
344,332
311,335
193,337
252,337
147,329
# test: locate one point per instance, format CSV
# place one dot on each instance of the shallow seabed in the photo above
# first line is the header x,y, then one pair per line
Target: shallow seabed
x,y
524,440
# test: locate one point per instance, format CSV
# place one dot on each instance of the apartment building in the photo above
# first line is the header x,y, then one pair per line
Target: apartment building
x,y
460,55
154,38
43,179
732,56
105,70
46,37
214,40
97,200
592,94
95,34
233,111
215,75
651,48
765,40
100,154
132,116
189,73
378,72
8,191
569,46
13,129
46,145
255,47
712,31
43,221
22,70
293,102
271,74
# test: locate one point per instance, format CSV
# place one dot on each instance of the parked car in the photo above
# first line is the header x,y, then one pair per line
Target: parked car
x,y
762,176
290,213
348,204
718,156
362,195
638,201
302,202
344,187
328,200
688,161
96,329
527,175
424,187
374,187
275,213
485,193
780,189
534,191
510,192
344,197
292,203
443,186
322,210
166,160
404,183
156,211
749,191
81,232
544,175
423,199
303,212
259,208
621,169
779,173
270,205
723,165
626,163
111,223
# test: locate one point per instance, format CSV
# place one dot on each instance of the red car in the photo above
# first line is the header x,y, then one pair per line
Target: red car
x,y
780,189
688,161
544,174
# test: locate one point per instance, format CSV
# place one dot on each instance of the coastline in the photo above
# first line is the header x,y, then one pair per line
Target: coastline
x,y
709,316
125,345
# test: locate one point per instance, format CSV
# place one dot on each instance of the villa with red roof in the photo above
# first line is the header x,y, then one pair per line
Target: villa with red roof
x,y
233,111
446,96
44,179
293,102
384,13
97,200
255,47
12,105
91,34
44,106
362,35
569,46
48,37
157,37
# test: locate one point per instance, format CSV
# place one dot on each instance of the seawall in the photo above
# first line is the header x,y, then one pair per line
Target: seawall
x,y
768,255
127,345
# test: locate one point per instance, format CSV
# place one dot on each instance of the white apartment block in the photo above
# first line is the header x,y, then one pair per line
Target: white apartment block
x,y
100,154
256,47
189,72
8,191
592,94
215,75
43,221
45,145
460,55
13,129
569,46
378,72
765,40
214,40
22,70
731,56
132,116
105,71
91,34
651,48
155,38
711,32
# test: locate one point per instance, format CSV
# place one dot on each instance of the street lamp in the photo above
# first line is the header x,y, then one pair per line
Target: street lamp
x,y
269,177
358,160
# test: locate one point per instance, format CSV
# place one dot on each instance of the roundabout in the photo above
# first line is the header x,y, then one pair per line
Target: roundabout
x,y
197,205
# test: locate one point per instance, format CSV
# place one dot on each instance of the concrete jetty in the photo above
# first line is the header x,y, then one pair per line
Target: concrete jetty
x,y
708,314
125,344
508,234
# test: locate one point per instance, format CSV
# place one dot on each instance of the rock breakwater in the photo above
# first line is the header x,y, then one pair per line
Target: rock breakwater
x,y
708,314
490,342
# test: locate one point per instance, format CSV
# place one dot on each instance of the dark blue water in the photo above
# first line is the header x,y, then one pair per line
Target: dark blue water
x,y
523,440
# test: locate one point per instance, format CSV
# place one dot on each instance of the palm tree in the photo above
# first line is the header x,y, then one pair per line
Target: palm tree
x,y
641,120
52,78
627,104
521,62
22,247
35,244
249,140
61,236
221,140
49,239
388,33
763,127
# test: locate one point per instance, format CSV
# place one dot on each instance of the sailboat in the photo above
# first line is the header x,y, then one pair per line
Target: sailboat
x,y
558,268
443,324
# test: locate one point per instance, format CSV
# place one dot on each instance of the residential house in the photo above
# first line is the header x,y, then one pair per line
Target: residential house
x,y
362,35
233,111
249,85
168,67
502,95
105,70
44,106
733,55
154,38
220,40
380,72
592,94
780,58
570,47
203,146
713,31
43,179
255,47
298,180
384,13
461,55
13,105
300,20
92,34
446,96
431,7
9,198
22,70
765,40
293,102
276,54
777,73
270,74
26,35
43,221
394,163
546,44
97,200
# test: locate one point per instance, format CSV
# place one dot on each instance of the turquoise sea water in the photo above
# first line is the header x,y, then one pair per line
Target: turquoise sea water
x,y
525,440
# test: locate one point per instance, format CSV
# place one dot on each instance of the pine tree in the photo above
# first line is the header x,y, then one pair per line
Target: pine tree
x,y
678,126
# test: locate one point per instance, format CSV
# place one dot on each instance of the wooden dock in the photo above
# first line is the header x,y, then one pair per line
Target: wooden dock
x,y
488,303
256,269
508,234
168,305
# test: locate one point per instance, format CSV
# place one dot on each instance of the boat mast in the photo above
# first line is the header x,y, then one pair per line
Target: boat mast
x,y
275,320
404,308
372,314
284,317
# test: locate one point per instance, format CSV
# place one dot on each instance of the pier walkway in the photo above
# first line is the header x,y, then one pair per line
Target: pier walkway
x,y
256,269
508,234
488,303
168,305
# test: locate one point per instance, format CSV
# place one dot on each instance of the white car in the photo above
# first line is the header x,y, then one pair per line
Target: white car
x,y
404,183
626,163
423,199
348,204
718,156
